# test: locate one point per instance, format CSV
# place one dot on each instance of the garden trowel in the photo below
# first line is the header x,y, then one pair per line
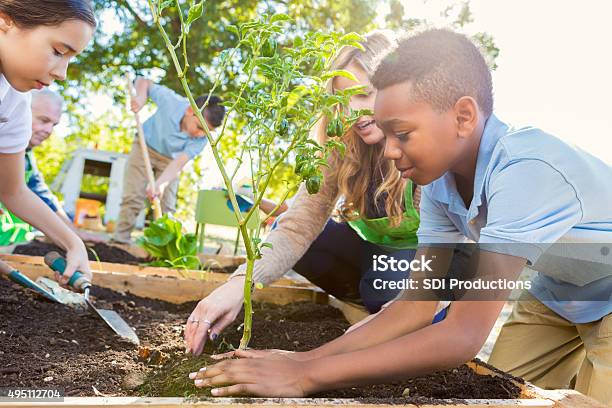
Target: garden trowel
x,y
19,278
78,281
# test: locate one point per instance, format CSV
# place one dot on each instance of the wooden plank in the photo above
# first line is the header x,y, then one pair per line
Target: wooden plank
x,y
146,270
221,261
121,402
571,399
172,287
353,313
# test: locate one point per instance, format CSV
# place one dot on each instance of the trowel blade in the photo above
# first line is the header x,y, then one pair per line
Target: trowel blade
x,y
116,323
64,296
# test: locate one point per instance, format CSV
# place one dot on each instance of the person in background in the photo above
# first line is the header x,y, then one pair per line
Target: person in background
x,y
174,136
46,114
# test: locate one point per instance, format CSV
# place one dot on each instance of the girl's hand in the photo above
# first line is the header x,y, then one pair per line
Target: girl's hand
x,y
213,314
76,259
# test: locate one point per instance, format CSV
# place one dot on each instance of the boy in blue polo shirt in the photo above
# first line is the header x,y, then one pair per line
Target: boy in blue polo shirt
x,y
174,136
516,193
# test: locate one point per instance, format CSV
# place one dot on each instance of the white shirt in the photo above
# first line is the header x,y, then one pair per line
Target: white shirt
x,y
15,118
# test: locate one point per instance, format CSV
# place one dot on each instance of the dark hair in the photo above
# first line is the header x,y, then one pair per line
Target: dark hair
x,y
33,13
442,67
214,111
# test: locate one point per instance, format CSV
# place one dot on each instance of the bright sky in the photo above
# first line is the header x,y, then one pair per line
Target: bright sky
x,y
555,64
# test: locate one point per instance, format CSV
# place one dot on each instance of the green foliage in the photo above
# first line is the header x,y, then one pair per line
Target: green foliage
x,y
280,97
164,240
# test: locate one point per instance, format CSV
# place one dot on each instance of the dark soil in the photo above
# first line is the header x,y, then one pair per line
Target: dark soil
x,y
96,251
45,344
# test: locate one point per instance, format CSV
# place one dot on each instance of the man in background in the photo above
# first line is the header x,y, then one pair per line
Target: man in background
x,y
46,114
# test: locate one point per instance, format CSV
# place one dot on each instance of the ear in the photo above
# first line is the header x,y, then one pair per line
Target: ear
x,y
6,23
467,116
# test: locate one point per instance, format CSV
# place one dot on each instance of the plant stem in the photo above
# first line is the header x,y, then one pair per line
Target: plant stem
x,y
248,305
251,253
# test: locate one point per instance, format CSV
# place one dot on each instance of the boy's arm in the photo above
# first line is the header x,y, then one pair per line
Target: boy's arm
x,y
455,340
170,173
399,318
141,88
22,202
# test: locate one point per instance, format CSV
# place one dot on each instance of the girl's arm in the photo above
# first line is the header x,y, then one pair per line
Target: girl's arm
x,y
22,202
297,229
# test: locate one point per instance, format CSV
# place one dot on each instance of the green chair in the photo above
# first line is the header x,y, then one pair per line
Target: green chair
x,y
212,208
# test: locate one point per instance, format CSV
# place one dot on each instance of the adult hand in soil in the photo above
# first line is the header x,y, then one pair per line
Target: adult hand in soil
x,y
280,377
76,260
270,353
213,314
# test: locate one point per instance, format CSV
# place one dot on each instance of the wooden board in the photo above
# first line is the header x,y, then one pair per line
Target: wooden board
x,y
122,402
209,275
167,284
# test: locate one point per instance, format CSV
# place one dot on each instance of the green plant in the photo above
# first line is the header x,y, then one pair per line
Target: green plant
x,y
280,96
164,240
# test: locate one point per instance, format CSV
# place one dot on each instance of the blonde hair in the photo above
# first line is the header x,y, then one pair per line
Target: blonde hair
x,y
363,163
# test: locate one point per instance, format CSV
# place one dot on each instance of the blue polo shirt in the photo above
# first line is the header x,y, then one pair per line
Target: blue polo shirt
x,y
162,131
532,190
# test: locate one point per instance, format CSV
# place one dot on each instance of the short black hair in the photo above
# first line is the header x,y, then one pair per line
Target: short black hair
x,y
442,66
214,111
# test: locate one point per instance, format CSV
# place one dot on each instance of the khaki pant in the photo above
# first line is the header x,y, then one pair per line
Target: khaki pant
x,y
553,353
134,190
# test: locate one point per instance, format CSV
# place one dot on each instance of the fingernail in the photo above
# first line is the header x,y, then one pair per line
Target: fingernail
x,y
192,376
214,391
202,369
199,383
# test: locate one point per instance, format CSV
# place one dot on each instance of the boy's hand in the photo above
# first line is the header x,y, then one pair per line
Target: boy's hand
x,y
270,354
137,103
154,191
262,377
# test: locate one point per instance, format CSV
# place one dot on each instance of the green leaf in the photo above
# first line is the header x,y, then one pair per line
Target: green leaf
x,y
339,72
296,94
165,4
195,12
280,17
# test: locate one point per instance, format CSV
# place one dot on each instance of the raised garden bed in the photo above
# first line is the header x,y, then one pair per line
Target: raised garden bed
x,y
44,344
126,255
96,252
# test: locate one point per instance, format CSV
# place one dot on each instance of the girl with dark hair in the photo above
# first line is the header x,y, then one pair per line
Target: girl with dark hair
x,y
37,41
